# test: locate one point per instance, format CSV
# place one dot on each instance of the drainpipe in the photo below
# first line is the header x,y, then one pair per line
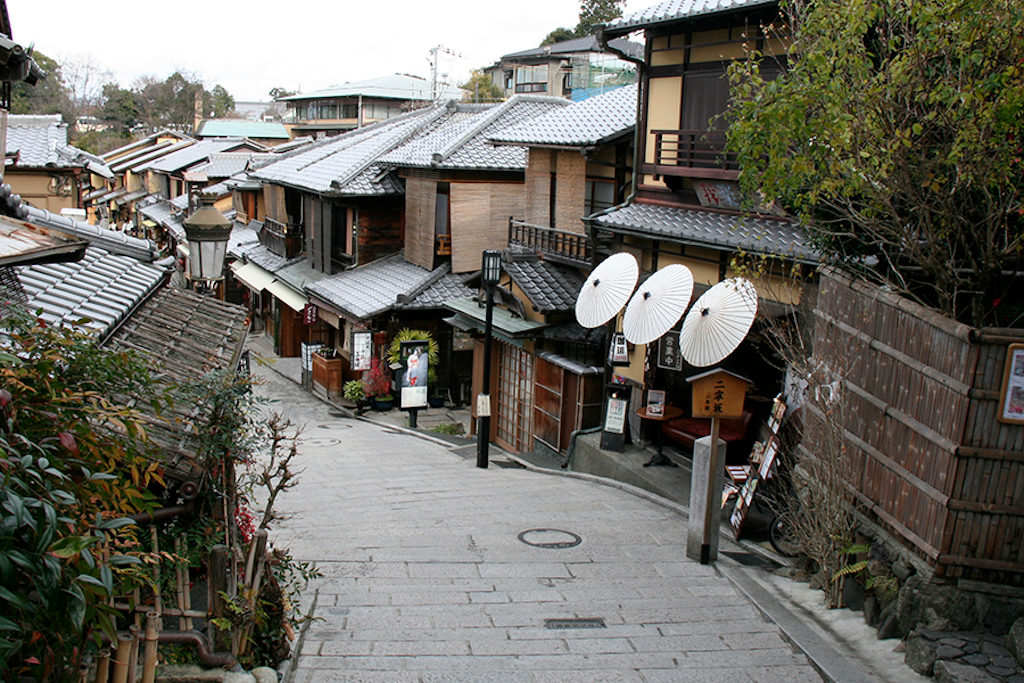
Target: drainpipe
x,y
572,443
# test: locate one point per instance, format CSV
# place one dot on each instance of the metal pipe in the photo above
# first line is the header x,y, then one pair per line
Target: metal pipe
x,y
149,656
124,651
201,644
484,435
572,442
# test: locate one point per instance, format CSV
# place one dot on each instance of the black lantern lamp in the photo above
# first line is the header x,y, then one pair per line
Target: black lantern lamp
x,y
490,274
207,231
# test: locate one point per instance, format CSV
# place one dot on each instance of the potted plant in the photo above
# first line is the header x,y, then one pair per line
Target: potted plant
x,y
355,392
377,384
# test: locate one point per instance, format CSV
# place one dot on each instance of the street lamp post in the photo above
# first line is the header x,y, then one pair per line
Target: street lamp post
x,y
207,231
490,275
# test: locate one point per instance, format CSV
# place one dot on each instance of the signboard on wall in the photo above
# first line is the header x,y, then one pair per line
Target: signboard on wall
x,y
362,349
1011,401
669,356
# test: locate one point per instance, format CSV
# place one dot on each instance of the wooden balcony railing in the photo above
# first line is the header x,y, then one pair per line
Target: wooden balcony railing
x,y
566,247
282,239
693,153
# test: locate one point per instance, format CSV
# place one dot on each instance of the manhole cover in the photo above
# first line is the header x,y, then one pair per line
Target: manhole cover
x,y
549,538
574,623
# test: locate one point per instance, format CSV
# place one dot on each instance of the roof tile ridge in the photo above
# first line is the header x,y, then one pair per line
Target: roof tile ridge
x,y
429,118
489,116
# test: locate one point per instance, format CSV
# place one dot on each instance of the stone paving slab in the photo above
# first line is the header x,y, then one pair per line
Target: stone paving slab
x,y
425,577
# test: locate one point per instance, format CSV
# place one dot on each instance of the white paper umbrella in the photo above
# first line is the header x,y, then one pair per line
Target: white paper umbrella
x,y
718,322
657,304
607,290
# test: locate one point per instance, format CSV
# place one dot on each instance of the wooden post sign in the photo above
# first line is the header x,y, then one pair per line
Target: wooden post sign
x,y
718,393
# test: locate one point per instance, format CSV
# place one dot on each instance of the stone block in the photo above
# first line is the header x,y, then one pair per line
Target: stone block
x,y
1015,640
920,655
954,672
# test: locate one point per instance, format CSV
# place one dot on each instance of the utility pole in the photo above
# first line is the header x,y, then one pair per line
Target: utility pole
x,y
438,78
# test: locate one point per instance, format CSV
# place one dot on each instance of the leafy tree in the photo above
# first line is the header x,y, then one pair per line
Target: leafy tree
x,y
895,136
278,92
47,96
72,466
120,108
595,12
558,35
592,14
480,88
218,102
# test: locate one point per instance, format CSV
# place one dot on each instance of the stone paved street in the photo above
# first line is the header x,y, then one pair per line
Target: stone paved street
x,y
425,578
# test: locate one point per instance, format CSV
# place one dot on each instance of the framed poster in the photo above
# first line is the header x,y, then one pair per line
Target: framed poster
x,y
1011,398
655,402
669,356
615,418
362,349
415,362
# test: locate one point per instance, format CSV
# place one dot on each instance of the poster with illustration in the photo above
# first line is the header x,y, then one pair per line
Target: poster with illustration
x,y
1012,398
415,366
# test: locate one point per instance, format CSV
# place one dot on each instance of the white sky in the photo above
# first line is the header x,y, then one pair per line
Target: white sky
x,y
251,46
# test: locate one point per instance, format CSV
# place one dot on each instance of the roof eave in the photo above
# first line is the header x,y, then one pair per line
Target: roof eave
x,y
717,246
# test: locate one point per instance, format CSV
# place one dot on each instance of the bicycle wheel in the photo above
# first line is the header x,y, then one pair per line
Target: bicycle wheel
x,y
782,536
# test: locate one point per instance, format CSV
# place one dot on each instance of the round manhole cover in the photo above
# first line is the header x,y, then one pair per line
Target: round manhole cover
x,y
549,538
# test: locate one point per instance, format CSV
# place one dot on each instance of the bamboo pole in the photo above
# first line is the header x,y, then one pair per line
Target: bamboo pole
x,y
149,656
121,657
156,569
133,657
103,666
179,583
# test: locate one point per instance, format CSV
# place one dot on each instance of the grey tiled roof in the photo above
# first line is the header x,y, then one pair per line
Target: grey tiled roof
x,y
753,234
180,202
147,141
581,124
195,153
299,274
158,211
111,240
242,238
227,164
445,288
102,286
346,164
42,141
675,10
268,260
135,162
549,286
392,86
372,289
35,138
575,45
459,139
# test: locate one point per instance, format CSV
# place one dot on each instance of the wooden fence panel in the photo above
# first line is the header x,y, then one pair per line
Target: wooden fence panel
x,y
927,456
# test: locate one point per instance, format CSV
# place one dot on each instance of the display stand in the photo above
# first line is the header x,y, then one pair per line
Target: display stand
x,y
745,478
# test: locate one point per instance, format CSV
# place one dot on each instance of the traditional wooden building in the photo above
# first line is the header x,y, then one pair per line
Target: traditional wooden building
x,y
45,170
686,206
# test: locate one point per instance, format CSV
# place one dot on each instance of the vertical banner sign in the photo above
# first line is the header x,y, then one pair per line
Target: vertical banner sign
x,y
309,314
414,376
362,349
669,356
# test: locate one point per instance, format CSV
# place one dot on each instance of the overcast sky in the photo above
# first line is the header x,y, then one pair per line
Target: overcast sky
x,y
251,46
